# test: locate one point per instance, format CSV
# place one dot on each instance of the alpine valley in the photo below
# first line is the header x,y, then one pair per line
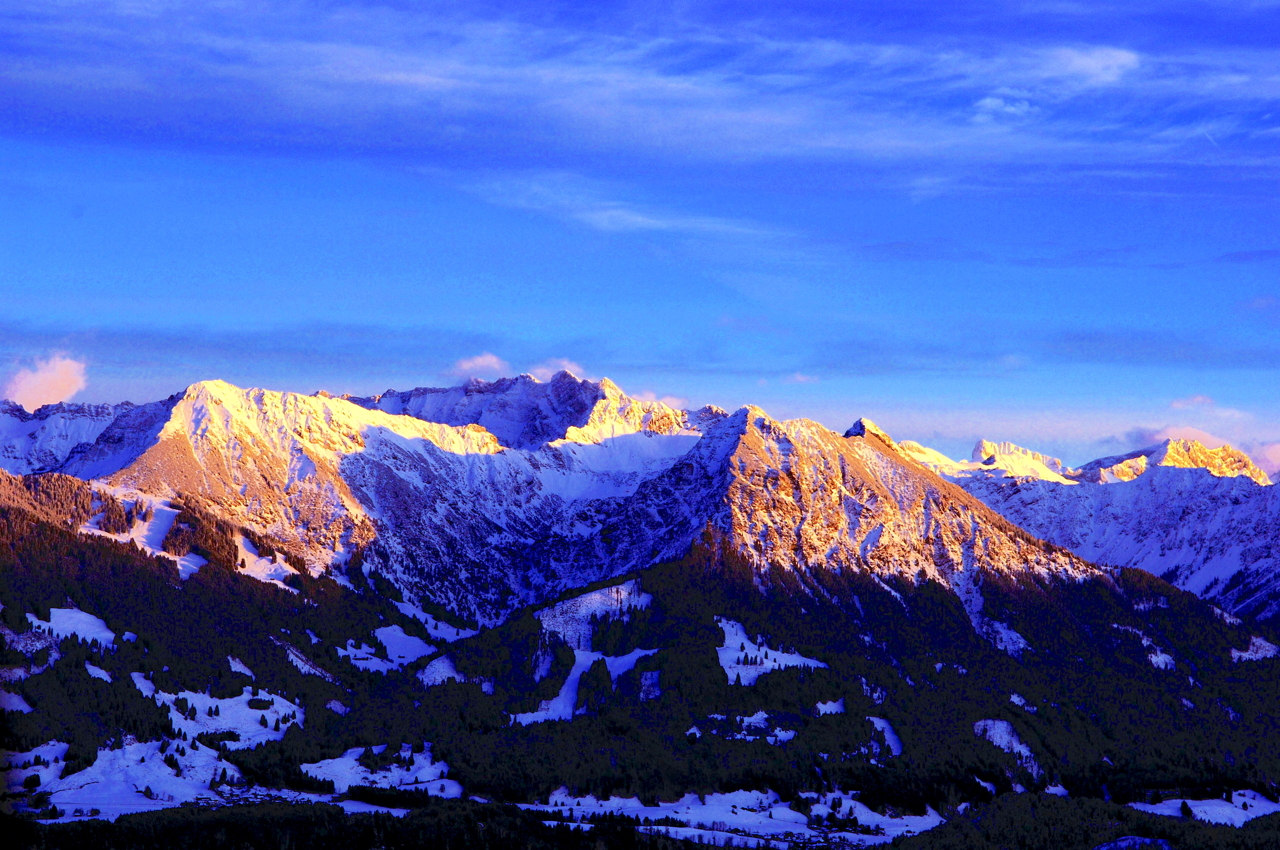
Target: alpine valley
x,y
548,614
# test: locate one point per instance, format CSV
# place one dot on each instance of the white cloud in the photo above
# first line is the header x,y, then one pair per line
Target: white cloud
x,y
594,204
547,369
798,378
481,365
1094,65
51,381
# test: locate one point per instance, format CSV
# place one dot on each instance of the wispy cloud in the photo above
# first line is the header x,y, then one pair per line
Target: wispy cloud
x,y
508,89
598,206
1191,402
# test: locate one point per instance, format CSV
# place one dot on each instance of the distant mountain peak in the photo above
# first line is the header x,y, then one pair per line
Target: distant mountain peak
x,y
1222,462
986,451
864,427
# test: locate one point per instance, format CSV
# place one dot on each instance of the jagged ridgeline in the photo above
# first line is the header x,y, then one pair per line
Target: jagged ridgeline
x,y
552,594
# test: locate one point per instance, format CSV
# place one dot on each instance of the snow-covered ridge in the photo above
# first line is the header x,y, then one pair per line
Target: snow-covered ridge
x,y
1197,516
1223,462
1008,460
41,441
525,413
526,490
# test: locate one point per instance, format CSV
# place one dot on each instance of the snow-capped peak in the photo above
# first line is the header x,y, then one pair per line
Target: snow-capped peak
x,y
985,450
990,460
1222,462
525,413
864,427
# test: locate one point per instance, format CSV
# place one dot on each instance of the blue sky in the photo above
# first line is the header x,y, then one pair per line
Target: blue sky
x,y
1055,223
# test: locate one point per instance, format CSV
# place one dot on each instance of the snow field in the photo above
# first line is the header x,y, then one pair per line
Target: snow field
x,y
401,649
571,619
273,570
238,666
1159,659
744,660
13,702
1244,807
149,535
849,807
561,706
438,629
304,664
423,774
14,773
233,714
440,671
117,782
831,707
97,672
758,815
65,622
752,728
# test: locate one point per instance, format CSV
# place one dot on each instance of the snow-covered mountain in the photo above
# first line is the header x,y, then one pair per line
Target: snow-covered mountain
x,y
1222,462
489,496
42,441
1205,519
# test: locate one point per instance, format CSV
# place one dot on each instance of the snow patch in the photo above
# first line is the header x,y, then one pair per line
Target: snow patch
x,y
273,570
1259,649
562,705
135,778
11,765
744,660
1001,733
748,818
891,739
13,702
832,707
231,715
303,663
413,770
238,666
65,622
402,648
438,629
97,672
1244,806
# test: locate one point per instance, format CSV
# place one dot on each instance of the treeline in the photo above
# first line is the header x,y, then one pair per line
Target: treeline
x,y
443,824
1038,822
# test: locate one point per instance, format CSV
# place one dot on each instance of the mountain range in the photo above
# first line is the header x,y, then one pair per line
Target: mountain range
x,y
576,597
